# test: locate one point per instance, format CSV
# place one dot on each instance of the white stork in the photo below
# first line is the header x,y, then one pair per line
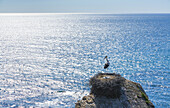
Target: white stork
x,y
107,63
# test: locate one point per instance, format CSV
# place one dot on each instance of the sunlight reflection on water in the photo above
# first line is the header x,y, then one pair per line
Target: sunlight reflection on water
x,y
47,60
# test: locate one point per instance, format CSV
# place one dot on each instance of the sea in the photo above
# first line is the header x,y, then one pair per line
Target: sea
x,y
46,60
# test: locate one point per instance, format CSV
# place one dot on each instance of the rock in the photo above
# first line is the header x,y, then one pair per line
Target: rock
x,y
110,90
86,102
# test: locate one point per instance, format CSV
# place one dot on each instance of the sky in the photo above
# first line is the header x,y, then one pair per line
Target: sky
x,y
84,6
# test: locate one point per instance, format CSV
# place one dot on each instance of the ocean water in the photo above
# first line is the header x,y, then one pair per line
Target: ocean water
x,y
46,60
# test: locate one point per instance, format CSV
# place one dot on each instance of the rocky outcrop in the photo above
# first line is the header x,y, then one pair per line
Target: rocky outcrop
x,y
110,90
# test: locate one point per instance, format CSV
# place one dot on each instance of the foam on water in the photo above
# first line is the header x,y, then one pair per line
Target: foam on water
x,y
47,60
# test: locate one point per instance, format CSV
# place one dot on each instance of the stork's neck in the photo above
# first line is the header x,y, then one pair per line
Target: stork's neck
x,y
107,60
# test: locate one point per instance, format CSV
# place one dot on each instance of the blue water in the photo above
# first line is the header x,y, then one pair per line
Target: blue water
x,y
46,60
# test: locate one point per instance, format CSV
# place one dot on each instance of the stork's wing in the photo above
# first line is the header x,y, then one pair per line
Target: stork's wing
x,y
106,65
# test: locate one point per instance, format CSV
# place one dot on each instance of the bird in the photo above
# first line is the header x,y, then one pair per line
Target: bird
x,y
107,63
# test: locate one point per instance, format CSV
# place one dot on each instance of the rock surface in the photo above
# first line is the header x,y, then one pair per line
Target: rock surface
x,y
110,90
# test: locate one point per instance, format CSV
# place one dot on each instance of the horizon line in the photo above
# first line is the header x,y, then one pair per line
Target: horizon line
x,y
35,13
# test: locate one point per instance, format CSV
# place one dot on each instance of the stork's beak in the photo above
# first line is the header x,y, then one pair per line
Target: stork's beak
x,y
105,57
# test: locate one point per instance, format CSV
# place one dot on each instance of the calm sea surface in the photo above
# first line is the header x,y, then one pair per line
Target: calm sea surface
x,y
46,60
